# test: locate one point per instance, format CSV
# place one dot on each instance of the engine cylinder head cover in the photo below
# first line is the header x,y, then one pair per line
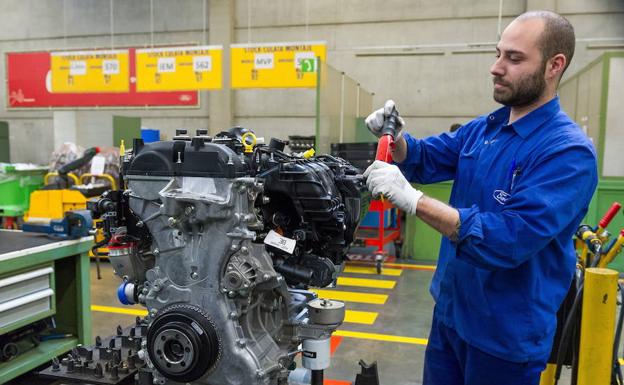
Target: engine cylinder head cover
x,y
182,342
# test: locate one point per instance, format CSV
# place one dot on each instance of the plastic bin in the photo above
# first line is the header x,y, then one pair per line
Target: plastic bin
x,y
15,189
149,135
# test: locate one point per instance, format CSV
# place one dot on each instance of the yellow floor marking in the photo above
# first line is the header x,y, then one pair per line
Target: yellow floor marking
x,y
362,282
381,337
372,270
402,266
349,296
360,317
351,316
119,310
408,266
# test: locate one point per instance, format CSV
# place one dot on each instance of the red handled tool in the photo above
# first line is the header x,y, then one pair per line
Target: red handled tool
x,y
386,142
606,219
591,238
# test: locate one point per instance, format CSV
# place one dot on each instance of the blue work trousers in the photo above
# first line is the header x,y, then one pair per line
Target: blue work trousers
x,y
449,360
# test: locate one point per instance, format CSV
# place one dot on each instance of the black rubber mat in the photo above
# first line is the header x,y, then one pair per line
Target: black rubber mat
x,y
16,240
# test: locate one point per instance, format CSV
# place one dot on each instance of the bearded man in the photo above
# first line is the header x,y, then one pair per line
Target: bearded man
x,y
523,178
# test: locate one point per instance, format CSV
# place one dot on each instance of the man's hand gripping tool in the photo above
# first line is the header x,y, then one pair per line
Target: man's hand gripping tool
x,y
386,143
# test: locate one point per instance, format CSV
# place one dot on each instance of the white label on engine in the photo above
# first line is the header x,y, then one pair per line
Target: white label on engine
x,y
280,242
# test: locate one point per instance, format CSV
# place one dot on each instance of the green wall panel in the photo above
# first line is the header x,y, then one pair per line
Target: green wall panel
x,y
5,153
422,242
609,192
126,128
361,132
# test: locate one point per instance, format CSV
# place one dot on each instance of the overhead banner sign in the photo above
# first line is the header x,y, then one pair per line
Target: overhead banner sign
x,y
179,68
276,65
29,85
90,71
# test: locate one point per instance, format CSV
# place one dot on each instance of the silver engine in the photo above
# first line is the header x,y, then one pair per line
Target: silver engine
x,y
221,242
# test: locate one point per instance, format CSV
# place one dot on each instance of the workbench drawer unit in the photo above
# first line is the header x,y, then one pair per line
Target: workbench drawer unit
x,y
26,296
42,277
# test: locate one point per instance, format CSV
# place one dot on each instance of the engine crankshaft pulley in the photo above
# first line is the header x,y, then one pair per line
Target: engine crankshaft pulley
x,y
182,343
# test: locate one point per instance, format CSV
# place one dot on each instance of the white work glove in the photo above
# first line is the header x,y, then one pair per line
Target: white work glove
x,y
375,121
387,180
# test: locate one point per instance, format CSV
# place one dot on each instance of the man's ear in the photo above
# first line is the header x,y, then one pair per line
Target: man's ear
x,y
555,66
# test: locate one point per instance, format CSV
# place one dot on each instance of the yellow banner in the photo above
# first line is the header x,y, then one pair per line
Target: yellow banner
x,y
276,65
179,68
90,71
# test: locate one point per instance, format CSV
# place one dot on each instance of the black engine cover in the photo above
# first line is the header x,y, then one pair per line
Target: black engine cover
x,y
186,158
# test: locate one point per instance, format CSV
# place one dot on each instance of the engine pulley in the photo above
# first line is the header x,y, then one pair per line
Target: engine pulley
x,y
183,343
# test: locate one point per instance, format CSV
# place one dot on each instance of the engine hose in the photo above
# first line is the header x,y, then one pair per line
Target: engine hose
x,y
566,333
596,260
616,374
575,349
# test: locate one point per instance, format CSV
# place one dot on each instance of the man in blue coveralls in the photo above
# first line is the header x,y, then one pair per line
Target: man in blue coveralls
x,y
524,175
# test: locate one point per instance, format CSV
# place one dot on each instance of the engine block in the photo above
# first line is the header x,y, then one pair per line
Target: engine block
x,y
221,240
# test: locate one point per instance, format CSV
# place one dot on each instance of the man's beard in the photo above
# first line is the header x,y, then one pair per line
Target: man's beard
x,y
522,92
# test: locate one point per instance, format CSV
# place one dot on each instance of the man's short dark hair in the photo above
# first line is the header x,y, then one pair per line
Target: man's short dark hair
x,y
557,37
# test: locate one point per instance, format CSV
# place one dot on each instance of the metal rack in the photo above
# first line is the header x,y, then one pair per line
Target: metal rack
x,y
379,236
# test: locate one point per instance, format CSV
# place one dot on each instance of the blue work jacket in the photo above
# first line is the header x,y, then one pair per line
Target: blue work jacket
x,y
521,190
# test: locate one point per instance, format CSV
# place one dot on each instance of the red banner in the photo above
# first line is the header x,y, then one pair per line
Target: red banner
x,y
28,86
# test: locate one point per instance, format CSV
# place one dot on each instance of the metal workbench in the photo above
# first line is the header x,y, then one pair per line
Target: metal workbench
x,y
67,265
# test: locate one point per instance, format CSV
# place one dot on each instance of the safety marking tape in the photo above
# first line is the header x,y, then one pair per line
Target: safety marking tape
x,y
403,266
334,342
362,282
411,267
119,310
360,317
380,337
349,296
372,270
